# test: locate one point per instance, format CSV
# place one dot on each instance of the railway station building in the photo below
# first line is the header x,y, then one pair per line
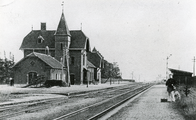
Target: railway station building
x,y
67,51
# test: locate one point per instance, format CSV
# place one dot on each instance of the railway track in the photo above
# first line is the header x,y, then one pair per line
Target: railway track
x,y
108,91
12,110
28,107
95,111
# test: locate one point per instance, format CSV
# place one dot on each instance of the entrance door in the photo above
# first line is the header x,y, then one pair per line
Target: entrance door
x,y
32,77
72,77
84,76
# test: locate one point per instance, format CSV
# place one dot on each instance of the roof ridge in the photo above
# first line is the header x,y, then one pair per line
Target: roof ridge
x,y
75,30
49,57
179,70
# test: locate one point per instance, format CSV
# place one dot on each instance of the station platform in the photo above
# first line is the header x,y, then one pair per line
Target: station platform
x,y
33,94
148,106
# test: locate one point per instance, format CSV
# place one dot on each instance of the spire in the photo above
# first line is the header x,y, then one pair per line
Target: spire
x,y
62,7
94,49
81,27
62,28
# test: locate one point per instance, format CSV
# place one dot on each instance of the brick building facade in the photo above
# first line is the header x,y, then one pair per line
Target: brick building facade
x,y
69,48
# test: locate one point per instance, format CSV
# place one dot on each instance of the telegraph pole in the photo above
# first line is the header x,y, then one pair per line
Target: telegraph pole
x,y
67,59
194,66
167,65
63,63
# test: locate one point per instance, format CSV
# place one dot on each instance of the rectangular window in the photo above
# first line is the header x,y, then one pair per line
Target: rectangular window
x,y
84,59
72,60
61,46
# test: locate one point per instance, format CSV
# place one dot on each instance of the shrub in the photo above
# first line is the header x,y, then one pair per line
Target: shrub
x,y
187,104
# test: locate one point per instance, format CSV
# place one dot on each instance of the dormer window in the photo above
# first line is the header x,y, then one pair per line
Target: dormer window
x,y
40,39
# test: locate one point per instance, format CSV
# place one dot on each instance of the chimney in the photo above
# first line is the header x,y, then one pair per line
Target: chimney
x,y
43,26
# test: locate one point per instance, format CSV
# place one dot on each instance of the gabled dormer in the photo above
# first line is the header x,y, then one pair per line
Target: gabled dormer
x,y
96,51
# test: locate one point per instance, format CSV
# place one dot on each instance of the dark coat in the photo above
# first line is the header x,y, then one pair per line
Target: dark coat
x,y
170,84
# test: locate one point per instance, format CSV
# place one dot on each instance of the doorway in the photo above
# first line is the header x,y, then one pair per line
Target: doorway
x,y
32,77
72,77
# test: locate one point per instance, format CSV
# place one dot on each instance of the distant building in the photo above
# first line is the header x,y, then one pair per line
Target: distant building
x,y
1,71
68,49
181,77
98,61
91,73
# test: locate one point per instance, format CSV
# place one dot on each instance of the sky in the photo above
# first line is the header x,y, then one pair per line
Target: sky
x,y
137,34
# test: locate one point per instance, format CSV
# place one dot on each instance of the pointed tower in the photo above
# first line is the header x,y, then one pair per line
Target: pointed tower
x,y
62,38
94,50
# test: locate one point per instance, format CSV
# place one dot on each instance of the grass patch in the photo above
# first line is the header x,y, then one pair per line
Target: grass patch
x,y
8,96
4,97
187,104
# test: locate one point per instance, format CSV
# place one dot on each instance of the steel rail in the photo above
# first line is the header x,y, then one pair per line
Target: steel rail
x,y
74,113
71,95
26,102
34,105
95,117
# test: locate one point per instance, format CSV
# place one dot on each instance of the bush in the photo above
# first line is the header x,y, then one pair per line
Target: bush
x,y
187,104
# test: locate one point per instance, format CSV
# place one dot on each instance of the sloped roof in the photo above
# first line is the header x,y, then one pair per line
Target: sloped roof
x,y
78,39
179,71
96,51
62,28
52,62
90,65
94,58
31,40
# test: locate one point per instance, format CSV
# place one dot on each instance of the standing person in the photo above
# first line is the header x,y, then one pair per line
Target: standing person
x,y
170,83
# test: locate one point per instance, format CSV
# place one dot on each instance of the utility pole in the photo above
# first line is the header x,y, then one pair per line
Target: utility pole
x,y
67,59
194,66
63,63
167,65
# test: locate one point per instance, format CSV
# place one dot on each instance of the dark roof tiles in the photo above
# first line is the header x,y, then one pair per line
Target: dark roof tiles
x,y
50,61
31,40
62,28
90,65
95,59
78,39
